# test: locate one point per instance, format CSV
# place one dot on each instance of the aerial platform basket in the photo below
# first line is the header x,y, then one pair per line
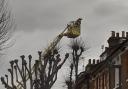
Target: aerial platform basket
x,y
73,29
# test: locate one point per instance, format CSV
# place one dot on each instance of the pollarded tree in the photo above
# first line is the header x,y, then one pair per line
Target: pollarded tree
x,y
43,77
78,47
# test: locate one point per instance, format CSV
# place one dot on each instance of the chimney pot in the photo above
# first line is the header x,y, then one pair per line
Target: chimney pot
x,y
123,33
117,34
113,34
89,61
97,61
127,34
93,61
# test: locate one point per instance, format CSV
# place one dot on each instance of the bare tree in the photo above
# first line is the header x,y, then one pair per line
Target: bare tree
x,y
45,74
78,47
49,70
6,23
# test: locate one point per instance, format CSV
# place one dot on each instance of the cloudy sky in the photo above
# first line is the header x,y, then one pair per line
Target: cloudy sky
x,y
40,21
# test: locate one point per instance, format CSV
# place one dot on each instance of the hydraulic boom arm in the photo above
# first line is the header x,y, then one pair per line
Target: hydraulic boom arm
x,y
73,31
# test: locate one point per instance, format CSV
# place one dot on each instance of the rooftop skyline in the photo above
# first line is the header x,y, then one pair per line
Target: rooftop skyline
x,y
40,21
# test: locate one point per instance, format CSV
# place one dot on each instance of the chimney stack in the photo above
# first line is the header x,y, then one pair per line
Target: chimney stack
x,y
123,33
117,34
113,34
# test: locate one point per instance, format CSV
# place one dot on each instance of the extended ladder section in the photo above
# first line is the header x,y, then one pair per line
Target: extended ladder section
x,y
71,31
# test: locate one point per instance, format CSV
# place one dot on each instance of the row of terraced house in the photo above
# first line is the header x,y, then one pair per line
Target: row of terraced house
x,y
111,70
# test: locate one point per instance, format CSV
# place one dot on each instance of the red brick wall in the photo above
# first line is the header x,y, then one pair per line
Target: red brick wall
x,y
101,80
124,72
112,78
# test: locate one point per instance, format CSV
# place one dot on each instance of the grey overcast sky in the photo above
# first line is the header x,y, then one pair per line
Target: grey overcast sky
x,y
40,21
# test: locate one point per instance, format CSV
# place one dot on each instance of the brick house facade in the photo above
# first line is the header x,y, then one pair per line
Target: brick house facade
x,y
111,71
